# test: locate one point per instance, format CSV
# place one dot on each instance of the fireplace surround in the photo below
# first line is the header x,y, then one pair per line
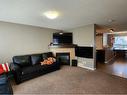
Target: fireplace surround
x,y
64,49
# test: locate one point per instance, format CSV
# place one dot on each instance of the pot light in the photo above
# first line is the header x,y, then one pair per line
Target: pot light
x,y
51,14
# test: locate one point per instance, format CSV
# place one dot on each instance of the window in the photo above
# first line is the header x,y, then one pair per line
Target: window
x,y
120,43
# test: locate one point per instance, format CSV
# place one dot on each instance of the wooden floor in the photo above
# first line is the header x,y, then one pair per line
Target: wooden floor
x,y
118,67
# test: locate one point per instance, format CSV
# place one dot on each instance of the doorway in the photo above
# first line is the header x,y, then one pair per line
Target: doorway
x,y
112,55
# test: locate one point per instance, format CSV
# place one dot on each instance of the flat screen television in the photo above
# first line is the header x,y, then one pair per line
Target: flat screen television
x,y
84,52
62,38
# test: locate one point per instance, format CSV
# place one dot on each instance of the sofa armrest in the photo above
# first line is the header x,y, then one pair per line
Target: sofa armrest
x,y
14,67
17,72
58,60
58,63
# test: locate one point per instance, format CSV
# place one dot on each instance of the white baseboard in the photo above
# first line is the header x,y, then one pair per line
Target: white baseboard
x,y
87,67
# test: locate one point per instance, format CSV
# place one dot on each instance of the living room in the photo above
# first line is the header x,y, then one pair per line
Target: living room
x,y
27,33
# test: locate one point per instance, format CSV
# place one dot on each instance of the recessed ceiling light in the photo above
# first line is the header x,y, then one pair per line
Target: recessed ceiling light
x,y
51,14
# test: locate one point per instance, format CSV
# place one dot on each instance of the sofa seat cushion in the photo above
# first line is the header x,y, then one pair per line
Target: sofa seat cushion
x,y
33,69
30,69
37,68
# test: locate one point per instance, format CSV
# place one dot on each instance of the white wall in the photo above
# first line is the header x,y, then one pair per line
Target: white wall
x,y
17,39
85,36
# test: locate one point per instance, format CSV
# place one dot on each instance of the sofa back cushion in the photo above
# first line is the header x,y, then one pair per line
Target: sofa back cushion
x,y
22,60
36,59
47,55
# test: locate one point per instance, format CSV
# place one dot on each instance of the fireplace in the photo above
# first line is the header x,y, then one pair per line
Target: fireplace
x,y
64,58
69,50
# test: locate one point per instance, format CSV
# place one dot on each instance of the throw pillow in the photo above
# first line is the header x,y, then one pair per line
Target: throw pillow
x,y
48,61
1,69
52,59
4,68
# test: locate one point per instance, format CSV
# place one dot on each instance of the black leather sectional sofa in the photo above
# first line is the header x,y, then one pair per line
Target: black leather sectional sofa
x,y
25,67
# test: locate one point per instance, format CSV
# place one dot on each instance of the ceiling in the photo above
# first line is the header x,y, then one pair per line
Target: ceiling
x,y
73,13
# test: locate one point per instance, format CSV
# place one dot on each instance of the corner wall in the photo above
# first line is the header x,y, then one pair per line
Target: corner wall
x,y
17,39
85,36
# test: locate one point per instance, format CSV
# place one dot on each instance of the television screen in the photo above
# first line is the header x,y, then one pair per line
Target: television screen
x,y
120,43
64,38
85,52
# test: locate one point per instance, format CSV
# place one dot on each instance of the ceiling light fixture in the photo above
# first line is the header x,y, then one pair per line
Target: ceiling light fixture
x,y
111,30
61,33
51,14
111,20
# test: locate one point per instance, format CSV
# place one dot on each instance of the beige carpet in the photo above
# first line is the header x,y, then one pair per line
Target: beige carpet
x,y
73,80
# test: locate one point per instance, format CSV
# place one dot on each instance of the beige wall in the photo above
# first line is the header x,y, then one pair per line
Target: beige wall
x,y
99,42
85,36
17,39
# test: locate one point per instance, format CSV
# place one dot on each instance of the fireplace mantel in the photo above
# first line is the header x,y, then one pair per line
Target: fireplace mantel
x,y
63,46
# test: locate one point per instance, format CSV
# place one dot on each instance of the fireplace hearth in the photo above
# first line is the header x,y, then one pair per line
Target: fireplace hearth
x,y
64,58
